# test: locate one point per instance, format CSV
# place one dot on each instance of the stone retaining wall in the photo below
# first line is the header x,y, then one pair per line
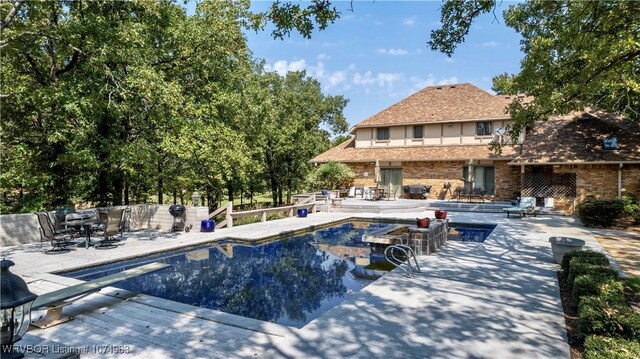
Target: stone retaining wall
x,y
24,228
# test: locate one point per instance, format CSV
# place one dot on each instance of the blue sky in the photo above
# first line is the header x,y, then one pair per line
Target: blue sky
x,y
377,55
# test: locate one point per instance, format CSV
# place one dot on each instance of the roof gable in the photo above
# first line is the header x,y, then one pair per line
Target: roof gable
x,y
578,138
444,103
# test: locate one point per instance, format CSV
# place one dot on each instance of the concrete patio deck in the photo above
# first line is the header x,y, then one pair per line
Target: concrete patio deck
x,y
499,299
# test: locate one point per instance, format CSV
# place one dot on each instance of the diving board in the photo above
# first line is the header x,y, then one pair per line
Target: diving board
x,y
56,300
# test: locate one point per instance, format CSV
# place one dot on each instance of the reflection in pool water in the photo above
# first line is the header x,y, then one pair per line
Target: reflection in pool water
x,y
290,281
469,232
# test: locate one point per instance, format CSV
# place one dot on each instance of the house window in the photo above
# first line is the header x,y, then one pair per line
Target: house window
x,y
484,128
382,133
417,131
610,143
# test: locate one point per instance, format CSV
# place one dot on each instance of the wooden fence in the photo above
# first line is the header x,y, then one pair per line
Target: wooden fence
x,y
308,201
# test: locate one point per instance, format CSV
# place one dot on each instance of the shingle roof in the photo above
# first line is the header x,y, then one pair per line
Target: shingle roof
x,y
346,152
577,138
441,104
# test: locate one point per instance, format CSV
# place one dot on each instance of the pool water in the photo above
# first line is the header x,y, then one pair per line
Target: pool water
x,y
469,232
290,281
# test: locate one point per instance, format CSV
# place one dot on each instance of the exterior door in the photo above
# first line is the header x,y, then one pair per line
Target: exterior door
x,y
393,177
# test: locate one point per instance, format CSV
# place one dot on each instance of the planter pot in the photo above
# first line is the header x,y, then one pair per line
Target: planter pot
x,y
423,222
562,245
207,225
441,214
302,212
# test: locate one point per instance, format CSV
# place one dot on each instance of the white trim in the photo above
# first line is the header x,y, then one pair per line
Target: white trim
x,y
571,163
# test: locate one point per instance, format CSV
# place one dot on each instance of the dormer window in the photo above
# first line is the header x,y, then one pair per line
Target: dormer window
x,y
484,128
417,132
382,133
610,143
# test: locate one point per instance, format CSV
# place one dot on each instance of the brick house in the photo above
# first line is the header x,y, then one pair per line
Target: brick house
x,y
441,134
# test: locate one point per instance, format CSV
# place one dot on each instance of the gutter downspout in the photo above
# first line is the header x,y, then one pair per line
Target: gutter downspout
x,y
620,181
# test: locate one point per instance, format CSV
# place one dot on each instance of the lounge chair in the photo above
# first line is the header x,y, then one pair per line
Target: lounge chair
x,y
111,228
59,241
527,206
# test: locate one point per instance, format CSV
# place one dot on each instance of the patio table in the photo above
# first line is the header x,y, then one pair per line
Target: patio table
x,y
87,225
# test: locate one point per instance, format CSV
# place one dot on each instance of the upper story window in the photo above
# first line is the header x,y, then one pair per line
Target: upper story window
x,y
484,128
610,143
382,133
417,131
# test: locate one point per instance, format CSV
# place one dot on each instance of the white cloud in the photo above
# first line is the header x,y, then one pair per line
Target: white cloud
x,y
281,67
336,78
323,56
394,52
381,79
409,21
486,78
449,60
490,44
449,81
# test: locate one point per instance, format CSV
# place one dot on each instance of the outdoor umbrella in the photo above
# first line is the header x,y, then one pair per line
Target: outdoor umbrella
x,y
377,178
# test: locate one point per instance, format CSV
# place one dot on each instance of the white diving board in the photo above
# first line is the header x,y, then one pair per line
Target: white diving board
x,y
56,300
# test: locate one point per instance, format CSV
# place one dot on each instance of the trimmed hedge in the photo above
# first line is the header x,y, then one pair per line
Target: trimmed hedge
x,y
583,256
601,213
597,347
579,268
595,284
609,315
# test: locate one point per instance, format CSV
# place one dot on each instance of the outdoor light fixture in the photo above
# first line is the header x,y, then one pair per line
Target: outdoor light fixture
x,y
15,304
196,198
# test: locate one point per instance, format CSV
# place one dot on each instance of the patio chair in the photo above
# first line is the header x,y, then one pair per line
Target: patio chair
x,y
111,228
59,241
526,206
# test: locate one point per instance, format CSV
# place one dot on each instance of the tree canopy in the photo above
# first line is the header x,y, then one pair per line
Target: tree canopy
x,y
108,102
576,54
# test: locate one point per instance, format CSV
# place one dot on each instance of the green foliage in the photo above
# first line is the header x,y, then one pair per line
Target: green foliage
x,y
599,347
286,17
106,102
503,84
332,175
601,213
609,315
595,284
577,269
577,54
591,257
633,283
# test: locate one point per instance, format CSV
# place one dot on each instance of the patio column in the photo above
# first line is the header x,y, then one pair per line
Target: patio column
x,y
620,181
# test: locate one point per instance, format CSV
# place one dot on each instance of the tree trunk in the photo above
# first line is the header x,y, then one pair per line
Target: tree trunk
x,y
160,182
175,196
126,192
230,191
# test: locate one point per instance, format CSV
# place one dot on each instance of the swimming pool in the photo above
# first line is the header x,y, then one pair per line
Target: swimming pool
x,y
290,281
469,232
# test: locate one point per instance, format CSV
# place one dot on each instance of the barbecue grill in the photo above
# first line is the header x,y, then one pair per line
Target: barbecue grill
x,y
179,214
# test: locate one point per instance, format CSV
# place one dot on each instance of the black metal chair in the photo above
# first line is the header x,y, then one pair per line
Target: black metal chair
x,y
59,241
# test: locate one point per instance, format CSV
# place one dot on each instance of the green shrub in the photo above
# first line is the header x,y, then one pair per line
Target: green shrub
x,y
578,268
601,213
632,207
633,283
331,175
583,256
595,284
609,315
597,347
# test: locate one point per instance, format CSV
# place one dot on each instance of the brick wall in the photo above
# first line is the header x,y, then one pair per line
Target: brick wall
x,y
434,174
507,180
598,181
